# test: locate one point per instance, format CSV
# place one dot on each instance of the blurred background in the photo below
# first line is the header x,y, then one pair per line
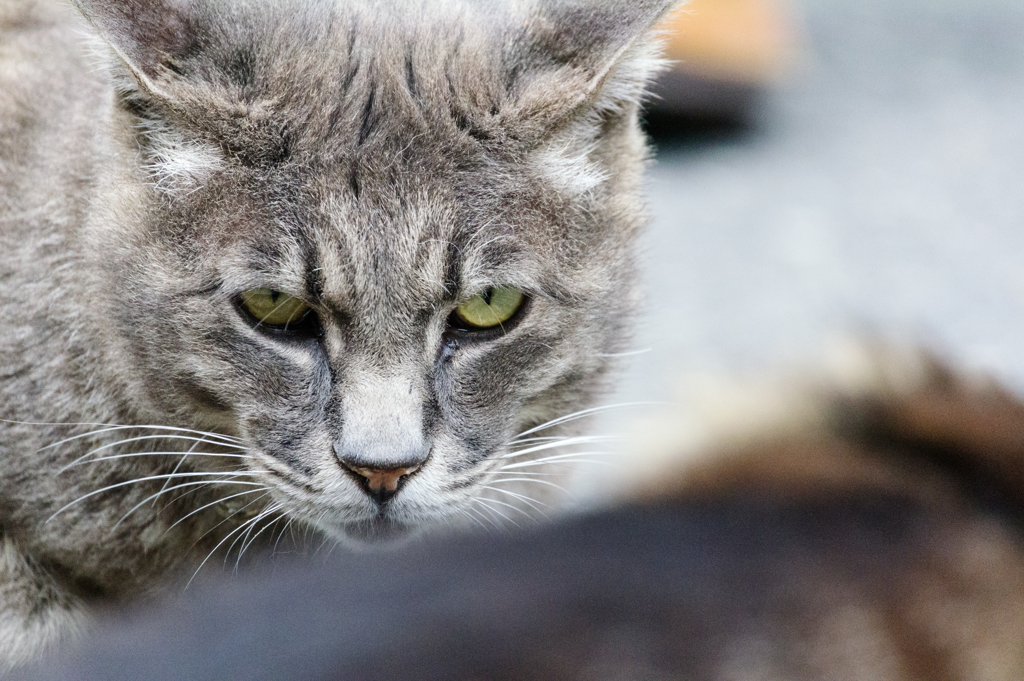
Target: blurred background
x,y
832,168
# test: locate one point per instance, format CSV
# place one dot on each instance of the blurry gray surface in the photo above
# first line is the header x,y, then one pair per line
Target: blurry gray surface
x,y
881,191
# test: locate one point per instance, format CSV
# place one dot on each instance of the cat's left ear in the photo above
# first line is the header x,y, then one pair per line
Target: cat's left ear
x,y
573,55
149,36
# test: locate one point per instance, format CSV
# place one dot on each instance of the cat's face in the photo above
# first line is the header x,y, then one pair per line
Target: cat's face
x,y
373,243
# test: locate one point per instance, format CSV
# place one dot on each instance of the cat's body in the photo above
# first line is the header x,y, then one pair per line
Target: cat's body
x,y
378,165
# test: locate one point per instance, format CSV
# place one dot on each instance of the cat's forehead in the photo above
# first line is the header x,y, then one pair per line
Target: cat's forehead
x,y
378,150
364,147
347,82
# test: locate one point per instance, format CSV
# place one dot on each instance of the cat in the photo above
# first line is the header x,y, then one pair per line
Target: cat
x,y
860,535
349,266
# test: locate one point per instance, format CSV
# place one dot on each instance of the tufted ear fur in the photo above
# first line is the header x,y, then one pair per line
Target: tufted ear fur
x,y
580,55
149,36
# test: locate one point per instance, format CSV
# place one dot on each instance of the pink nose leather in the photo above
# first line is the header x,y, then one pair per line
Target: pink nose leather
x,y
384,480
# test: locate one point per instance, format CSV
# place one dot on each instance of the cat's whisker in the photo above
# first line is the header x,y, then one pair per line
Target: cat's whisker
x,y
107,427
214,503
504,503
472,517
465,514
310,527
244,535
531,475
533,480
544,438
225,477
195,487
583,413
246,541
146,437
80,462
287,525
564,463
630,353
323,541
281,515
578,440
554,439
490,509
227,518
247,525
240,528
335,545
226,440
533,503
165,489
485,518
178,466
574,457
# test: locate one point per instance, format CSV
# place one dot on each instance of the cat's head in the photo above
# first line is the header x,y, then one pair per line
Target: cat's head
x,y
373,240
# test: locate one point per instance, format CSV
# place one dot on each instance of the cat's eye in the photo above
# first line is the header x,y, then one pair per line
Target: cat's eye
x,y
275,309
488,310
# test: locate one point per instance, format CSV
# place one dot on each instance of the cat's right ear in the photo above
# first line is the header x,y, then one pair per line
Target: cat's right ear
x,y
567,56
149,36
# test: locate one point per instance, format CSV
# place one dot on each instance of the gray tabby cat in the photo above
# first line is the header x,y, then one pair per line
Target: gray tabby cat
x,y
317,263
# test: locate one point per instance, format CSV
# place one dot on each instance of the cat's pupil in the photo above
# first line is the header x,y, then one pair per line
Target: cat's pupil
x,y
486,295
274,295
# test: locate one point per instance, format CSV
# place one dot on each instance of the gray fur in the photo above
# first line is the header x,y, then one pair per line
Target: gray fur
x,y
380,160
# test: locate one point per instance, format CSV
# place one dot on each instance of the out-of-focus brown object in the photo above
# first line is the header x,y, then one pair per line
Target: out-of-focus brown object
x,y
723,53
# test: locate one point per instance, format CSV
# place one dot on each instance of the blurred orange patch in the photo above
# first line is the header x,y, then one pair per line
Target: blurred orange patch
x,y
746,41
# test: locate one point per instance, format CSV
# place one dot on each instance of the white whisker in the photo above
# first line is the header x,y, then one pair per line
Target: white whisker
x,y
218,501
528,500
533,480
469,515
280,534
177,467
227,439
557,441
247,544
237,529
230,478
579,440
574,457
538,439
79,462
631,353
486,518
490,509
138,439
246,541
165,489
196,486
503,503
582,414
227,518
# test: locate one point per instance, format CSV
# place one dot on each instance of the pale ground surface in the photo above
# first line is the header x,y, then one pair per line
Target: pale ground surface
x,y
882,192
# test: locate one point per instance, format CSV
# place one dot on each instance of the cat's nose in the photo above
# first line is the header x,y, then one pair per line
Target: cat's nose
x,y
381,483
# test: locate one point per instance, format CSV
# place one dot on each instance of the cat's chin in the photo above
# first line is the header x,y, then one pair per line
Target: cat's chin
x,y
376,532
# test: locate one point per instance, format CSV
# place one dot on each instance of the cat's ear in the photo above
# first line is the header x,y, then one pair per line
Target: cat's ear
x,y
149,36
569,55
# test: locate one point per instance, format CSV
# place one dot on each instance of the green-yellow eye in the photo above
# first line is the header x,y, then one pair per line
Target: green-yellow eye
x,y
274,308
490,308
